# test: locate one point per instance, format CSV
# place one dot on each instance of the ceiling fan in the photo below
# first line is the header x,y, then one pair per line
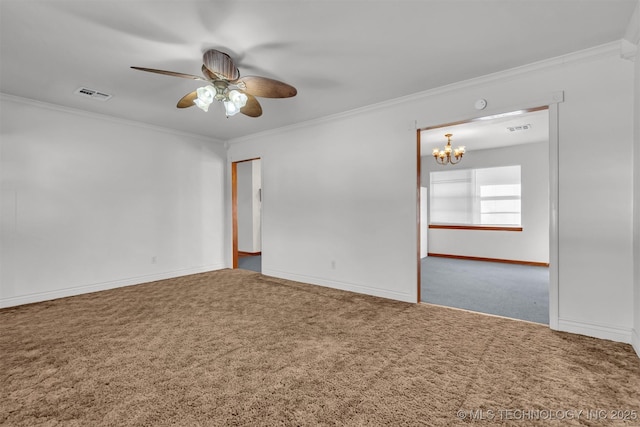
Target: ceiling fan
x,y
225,85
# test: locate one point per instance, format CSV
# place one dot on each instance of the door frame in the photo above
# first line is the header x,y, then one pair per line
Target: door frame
x,y
234,208
553,142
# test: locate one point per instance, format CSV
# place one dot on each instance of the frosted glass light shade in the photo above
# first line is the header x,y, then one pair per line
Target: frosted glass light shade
x,y
230,108
239,99
205,97
236,100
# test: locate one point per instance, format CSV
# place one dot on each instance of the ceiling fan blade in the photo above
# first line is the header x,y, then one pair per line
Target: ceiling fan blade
x,y
252,107
187,100
169,73
208,74
266,88
220,64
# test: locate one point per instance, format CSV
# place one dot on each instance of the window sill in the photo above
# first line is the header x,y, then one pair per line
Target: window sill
x,y
475,227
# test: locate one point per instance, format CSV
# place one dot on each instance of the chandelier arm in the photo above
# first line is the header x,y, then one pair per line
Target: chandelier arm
x,y
443,157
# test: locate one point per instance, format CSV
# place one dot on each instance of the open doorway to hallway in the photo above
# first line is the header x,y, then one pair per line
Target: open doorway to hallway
x,y
485,220
246,177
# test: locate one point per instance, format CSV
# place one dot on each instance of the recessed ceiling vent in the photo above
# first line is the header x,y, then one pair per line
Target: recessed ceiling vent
x,y
93,94
518,128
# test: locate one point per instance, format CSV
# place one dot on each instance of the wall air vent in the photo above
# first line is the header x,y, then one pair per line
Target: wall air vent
x,y
93,94
518,128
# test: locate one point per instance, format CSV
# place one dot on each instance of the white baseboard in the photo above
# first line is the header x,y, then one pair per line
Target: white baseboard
x,y
103,286
635,341
607,332
351,287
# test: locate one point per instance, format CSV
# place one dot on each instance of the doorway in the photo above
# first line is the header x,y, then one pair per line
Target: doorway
x,y
478,256
246,200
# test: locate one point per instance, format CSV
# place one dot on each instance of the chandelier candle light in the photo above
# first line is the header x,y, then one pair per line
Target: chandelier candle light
x,y
443,157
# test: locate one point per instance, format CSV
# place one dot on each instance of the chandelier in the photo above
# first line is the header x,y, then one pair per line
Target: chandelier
x,y
233,99
443,157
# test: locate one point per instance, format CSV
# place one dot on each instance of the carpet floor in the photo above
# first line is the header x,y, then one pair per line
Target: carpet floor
x,y
510,290
234,347
252,262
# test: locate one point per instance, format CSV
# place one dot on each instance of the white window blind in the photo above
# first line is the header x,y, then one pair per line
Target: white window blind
x,y
487,196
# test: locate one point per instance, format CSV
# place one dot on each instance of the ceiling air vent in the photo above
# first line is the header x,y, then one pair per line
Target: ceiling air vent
x,y
518,128
93,94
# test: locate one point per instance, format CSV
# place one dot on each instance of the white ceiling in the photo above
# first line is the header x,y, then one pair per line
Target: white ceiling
x,y
340,55
514,128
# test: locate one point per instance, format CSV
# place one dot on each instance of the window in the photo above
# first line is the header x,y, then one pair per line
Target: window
x,y
480,197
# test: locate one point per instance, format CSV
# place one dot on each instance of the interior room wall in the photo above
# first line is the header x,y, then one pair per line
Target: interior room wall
x,y
340,197
636,198
530,245
333,213
633,36
91,203
256,175
244,184
248,182
424,220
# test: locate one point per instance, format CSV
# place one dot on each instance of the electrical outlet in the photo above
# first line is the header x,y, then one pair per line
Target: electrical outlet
x,y
154,260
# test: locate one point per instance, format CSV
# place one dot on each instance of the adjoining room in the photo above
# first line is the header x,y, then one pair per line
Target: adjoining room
x,y
485,215
247,214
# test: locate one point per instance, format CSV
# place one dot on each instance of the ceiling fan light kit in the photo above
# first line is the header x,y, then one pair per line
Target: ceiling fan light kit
x,y
206,95
236,101
226,86
233,100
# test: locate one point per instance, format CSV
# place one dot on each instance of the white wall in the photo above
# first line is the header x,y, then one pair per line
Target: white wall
x,y
339,205
636,197
424,220
256,166
92,203
333,213
532,244
248,186
244,184
633,35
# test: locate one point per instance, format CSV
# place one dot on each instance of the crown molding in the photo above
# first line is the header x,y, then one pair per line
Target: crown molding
x,y
620,48
612,49
630,43
632,32
628,50
105,117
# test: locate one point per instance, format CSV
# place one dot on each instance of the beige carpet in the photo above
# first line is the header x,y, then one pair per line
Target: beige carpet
x,y
234,347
